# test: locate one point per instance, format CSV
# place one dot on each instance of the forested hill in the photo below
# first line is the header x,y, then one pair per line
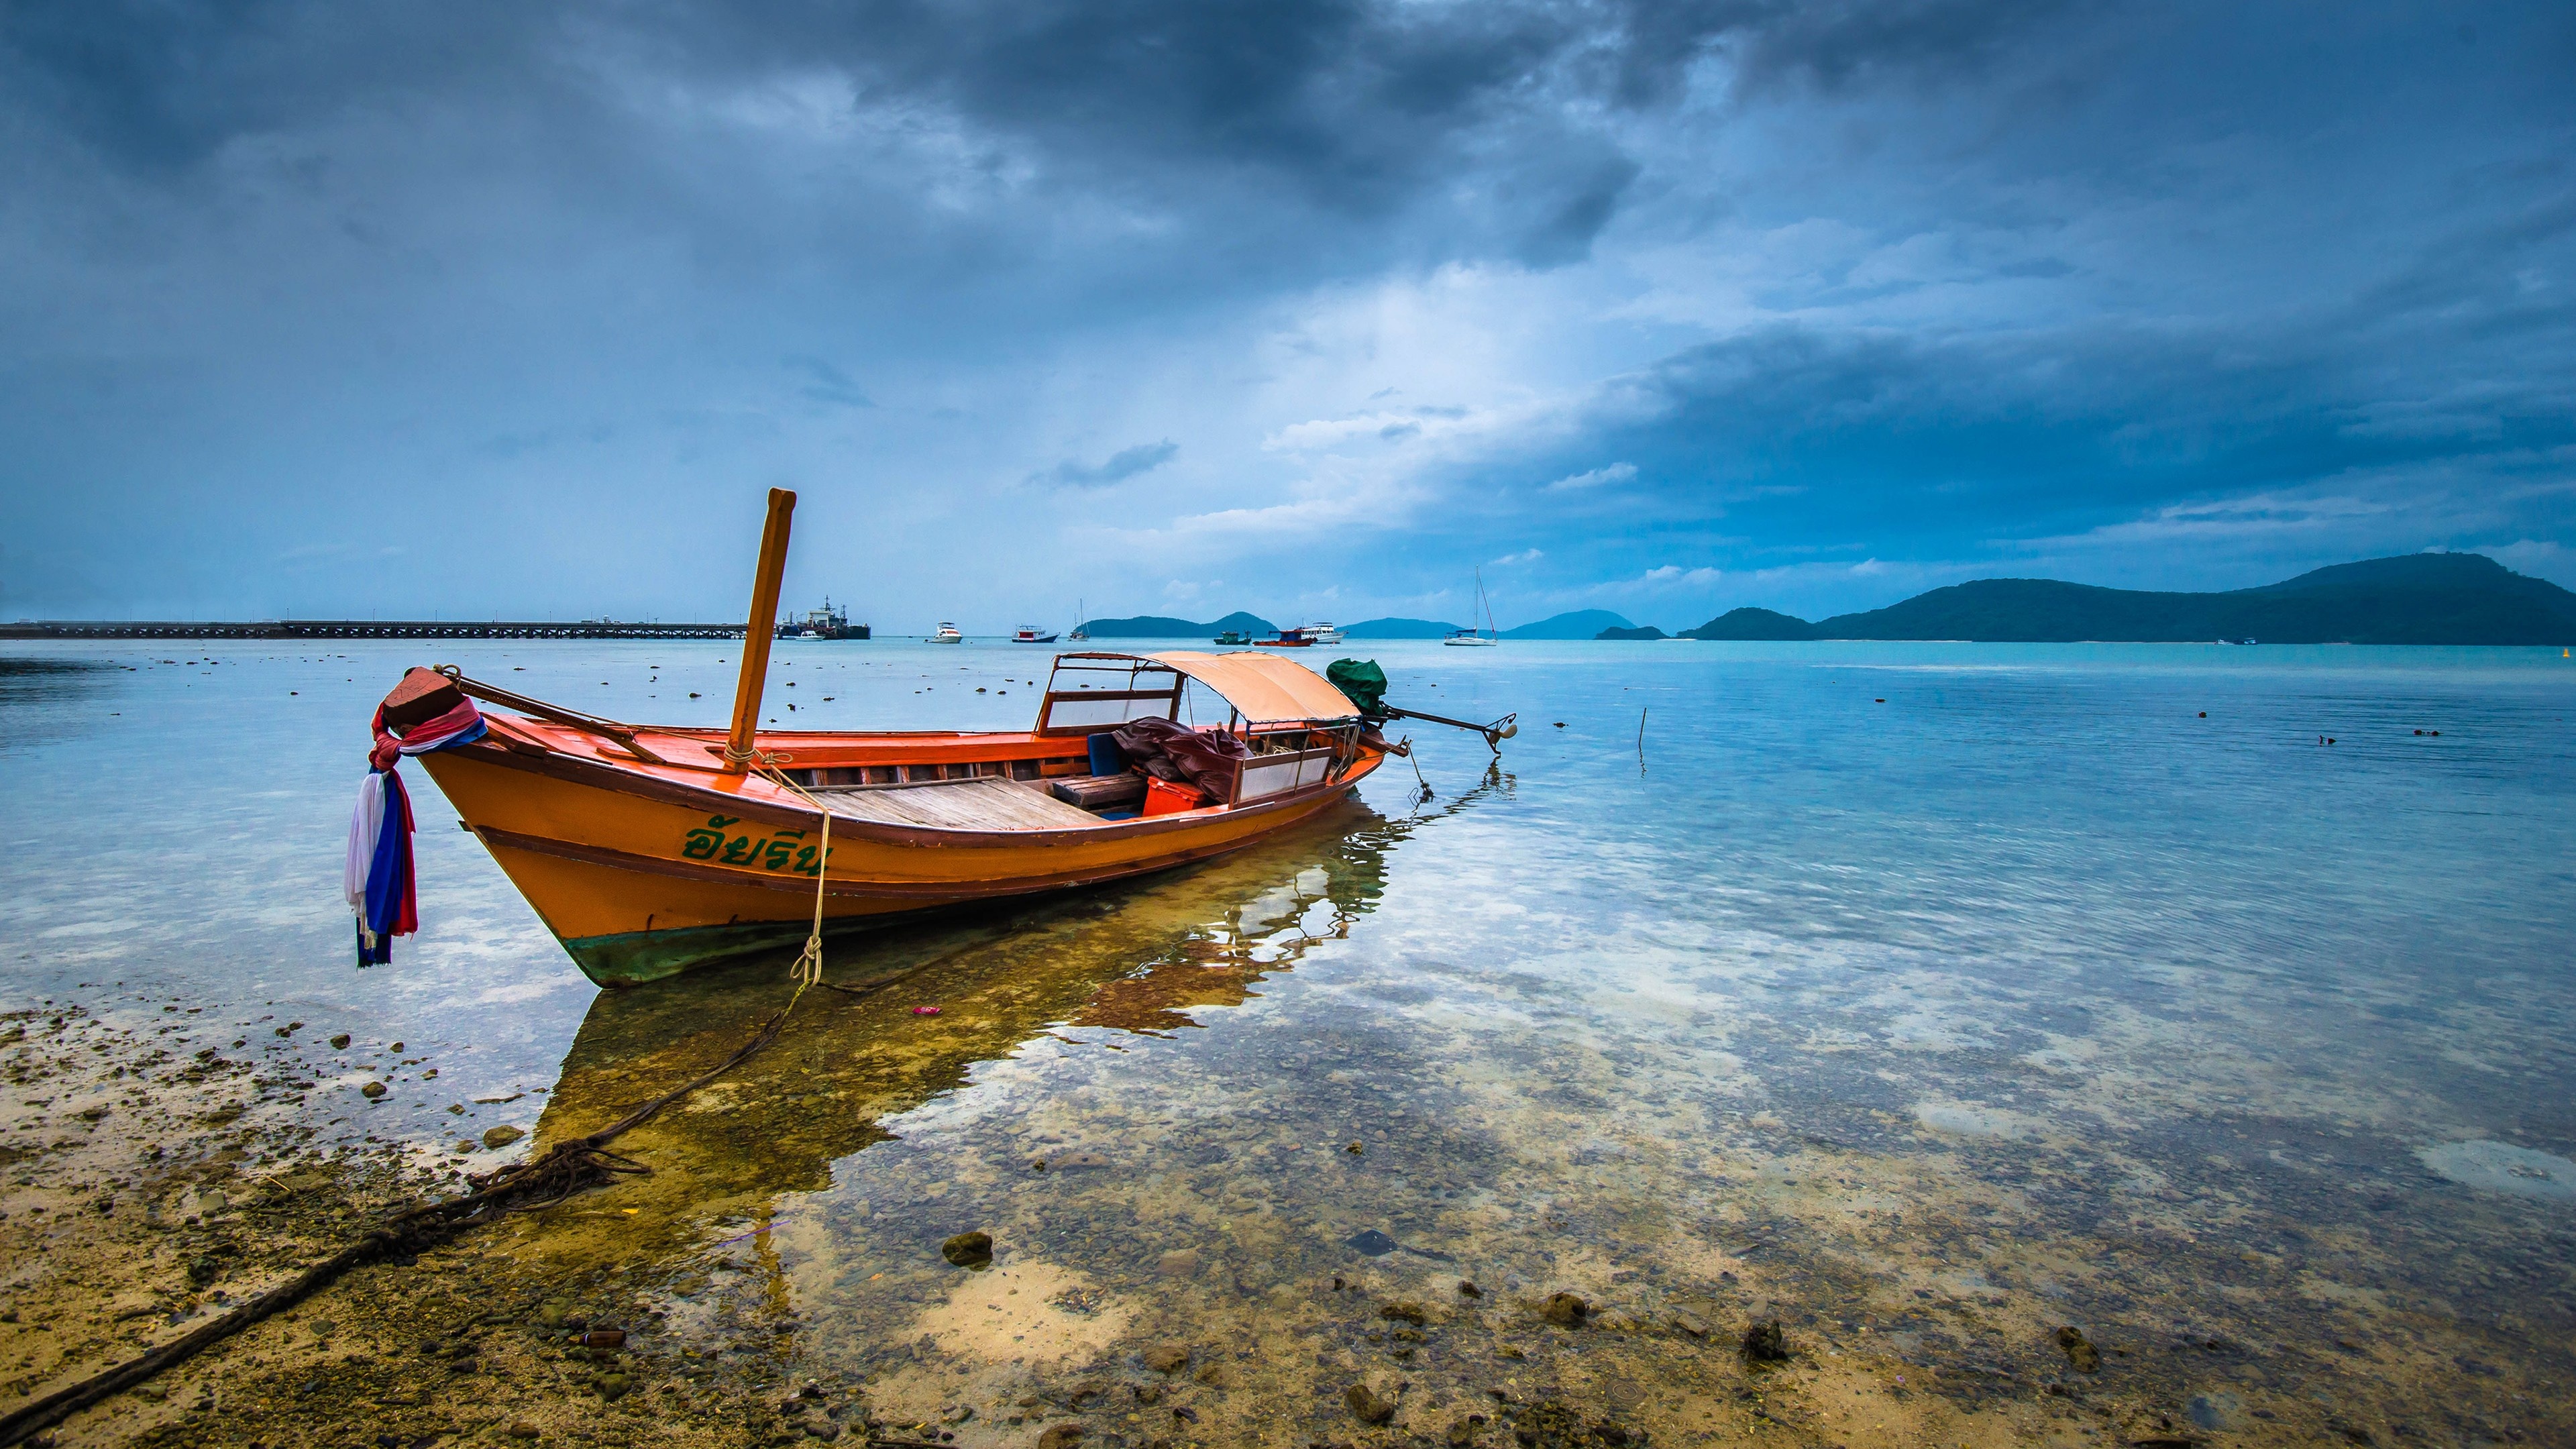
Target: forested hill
x,y
1161,626
2430,598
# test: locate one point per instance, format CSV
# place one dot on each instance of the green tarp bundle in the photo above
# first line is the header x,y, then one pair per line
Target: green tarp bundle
x,y
1364,683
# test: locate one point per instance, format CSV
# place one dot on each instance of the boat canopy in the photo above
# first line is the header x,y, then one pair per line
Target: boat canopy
x,y
1263,689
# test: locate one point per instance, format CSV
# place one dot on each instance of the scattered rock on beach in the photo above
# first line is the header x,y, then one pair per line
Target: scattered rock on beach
x,y
372,1090
1690,1323
1060,1436
969,1250
1372,1242
1367,1405
1405,1311
2079,1349
1565,1310
499,1137
1764,1342
340,1041
1164,1358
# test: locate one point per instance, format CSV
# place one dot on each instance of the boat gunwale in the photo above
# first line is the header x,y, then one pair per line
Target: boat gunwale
x,y
644,783
712,740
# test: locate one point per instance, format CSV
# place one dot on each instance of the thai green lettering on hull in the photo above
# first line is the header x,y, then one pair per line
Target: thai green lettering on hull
x,y
780,851
703,842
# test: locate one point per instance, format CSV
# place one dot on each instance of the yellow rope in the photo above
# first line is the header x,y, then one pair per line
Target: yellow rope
x,y
808,970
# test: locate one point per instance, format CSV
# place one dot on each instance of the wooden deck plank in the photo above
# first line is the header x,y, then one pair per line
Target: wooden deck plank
x,y
988,803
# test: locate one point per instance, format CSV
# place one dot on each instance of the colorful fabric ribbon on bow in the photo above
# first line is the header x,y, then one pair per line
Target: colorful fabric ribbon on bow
x,y
377,878
462,725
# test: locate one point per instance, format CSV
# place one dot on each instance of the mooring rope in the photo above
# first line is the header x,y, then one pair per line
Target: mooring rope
x,y
564,1169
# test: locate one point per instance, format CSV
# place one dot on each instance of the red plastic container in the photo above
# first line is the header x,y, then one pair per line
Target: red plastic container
x,y
1162,797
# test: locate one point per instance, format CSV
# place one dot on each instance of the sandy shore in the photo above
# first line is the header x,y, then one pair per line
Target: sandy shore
x,y
159,1169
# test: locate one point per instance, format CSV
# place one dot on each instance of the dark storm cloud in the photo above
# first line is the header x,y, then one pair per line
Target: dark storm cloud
x,y
1835,43
1946,443
1751,281
1358,109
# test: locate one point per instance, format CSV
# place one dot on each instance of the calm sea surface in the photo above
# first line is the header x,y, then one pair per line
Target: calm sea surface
x,y
1929,996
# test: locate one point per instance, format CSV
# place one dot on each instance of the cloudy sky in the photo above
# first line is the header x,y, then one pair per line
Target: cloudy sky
x,y
1308,306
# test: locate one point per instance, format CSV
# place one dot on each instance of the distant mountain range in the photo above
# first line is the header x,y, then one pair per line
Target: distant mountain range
x,y
2421,598
1581,624
1163,626
2425,598
1400,629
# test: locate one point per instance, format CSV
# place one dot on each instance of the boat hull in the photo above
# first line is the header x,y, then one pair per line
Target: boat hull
x,y
641,876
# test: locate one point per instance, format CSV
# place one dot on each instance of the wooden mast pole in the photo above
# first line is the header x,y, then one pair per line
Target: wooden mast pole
x,y
760,632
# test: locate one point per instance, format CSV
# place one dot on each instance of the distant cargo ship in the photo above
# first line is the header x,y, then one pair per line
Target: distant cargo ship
x,y
826,622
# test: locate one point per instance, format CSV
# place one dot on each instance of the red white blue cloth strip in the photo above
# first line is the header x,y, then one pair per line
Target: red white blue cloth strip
x,y
377,878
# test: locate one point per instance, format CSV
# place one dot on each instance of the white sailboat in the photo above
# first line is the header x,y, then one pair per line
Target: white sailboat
x,y
1470,637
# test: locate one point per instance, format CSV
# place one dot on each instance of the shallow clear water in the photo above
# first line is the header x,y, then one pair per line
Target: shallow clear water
x,y
1949,992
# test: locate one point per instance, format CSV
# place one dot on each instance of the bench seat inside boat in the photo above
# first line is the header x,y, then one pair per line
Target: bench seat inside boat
x,y
1099,792
986,803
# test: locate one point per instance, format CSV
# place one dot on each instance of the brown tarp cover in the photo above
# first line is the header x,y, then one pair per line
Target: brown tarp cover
x,y
1168,750
1264,688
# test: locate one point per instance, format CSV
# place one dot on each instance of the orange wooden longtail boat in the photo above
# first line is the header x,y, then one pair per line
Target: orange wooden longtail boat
x,y
651,850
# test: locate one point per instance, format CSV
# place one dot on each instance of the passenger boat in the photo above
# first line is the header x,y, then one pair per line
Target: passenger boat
x,y
1028,634
946,633
1320,633
649,850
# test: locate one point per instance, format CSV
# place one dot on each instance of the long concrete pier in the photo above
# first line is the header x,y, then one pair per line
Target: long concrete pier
x,y
383,629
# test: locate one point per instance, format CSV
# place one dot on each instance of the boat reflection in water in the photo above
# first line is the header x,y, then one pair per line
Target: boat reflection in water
x,y
1134,959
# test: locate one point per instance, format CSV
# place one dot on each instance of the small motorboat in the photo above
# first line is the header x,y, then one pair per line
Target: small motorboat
x,y
1028,634
946,633
1287,639
649,850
